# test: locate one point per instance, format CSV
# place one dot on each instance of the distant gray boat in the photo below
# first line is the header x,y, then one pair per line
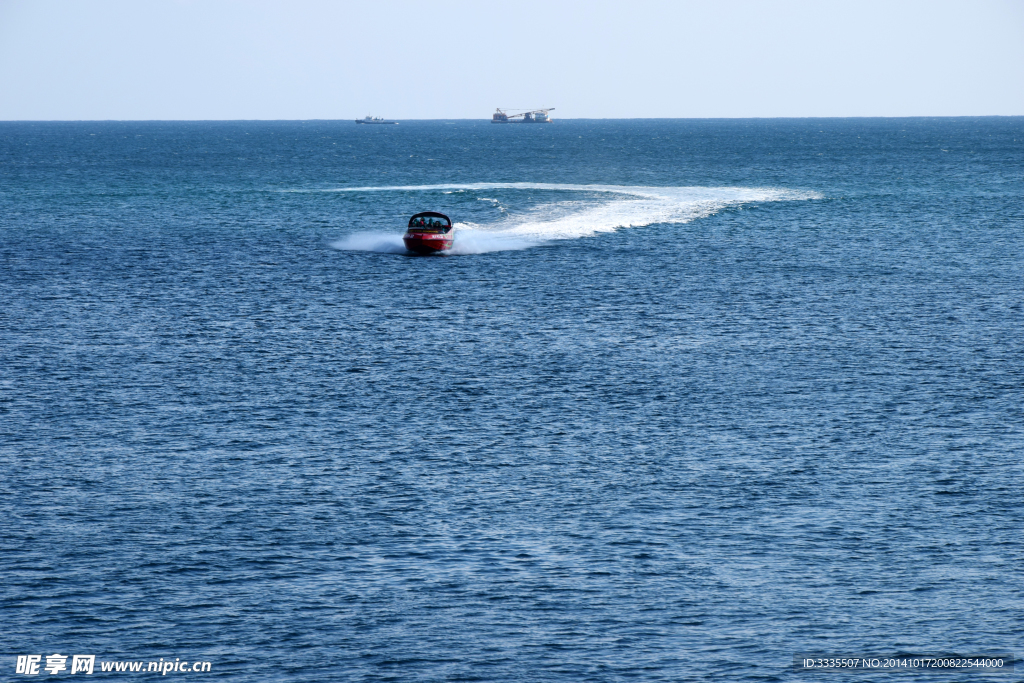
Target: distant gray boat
x,y
533,116
371,119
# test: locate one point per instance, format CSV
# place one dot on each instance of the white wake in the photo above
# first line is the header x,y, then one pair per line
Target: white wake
x,y
605,208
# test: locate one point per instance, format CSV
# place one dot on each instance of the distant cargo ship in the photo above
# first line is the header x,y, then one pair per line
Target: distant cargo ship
x,y
371,119
534,116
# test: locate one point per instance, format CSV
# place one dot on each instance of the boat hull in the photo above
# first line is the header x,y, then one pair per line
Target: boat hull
x,y
428,243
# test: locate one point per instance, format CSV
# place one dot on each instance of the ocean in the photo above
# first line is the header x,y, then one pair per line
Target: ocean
x,y
688,399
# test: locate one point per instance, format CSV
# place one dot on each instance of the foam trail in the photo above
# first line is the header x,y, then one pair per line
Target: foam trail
x,y
602,208
614,189
371,241
470,241
467,241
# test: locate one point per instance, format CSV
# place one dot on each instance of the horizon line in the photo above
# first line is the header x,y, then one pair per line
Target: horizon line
x,y
580,118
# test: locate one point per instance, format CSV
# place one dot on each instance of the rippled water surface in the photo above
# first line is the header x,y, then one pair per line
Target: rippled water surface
x,y
688,398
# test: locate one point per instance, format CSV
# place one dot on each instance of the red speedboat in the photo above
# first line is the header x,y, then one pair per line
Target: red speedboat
x,y
429,232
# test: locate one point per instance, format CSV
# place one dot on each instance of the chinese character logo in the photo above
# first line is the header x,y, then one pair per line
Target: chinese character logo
x,y
28,664
82,664
55,663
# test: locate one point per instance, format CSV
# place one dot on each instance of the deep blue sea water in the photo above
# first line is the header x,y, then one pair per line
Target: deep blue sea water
x,y
690,397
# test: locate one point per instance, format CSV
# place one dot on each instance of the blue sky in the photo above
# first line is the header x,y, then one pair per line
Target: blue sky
x,y
226,59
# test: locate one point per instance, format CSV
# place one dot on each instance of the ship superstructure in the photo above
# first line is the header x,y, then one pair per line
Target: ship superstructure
x,y
532,116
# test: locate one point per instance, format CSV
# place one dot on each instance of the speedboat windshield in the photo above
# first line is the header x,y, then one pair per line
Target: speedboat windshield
x,y
430,220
